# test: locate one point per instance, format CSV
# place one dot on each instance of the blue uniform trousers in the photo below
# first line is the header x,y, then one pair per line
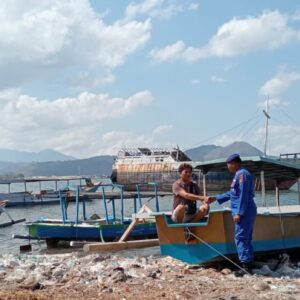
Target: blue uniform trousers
x,y
243,236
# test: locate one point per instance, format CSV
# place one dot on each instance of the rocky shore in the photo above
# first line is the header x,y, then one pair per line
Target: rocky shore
x,y
80,276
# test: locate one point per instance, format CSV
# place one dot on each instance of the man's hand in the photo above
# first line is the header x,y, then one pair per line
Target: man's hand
x,y
236,218
209,199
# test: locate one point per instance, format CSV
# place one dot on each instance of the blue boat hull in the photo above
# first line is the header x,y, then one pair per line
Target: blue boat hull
x,y
103,232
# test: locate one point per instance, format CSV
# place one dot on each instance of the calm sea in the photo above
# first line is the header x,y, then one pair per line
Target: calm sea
x,y
9,245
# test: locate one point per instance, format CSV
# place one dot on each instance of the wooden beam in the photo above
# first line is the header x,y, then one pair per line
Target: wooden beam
x,y
263,188
135,221
117,246
204,184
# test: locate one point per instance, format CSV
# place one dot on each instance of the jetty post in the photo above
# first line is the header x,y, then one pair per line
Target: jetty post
x,y
277,197
263,187
204,183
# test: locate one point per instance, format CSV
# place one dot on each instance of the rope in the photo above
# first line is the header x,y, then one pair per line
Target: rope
x,y
217,251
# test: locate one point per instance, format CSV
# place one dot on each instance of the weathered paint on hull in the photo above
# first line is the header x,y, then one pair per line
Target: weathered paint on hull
x,y
132,176
219,233
71,232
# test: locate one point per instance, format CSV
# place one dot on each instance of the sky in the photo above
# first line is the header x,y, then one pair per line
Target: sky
x,y
87,78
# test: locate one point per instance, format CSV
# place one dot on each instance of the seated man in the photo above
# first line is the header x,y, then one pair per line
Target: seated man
x,y
185,194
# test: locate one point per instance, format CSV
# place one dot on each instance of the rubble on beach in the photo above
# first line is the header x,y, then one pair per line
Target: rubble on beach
x,y
94,276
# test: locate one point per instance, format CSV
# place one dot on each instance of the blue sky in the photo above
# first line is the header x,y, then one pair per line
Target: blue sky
x,y
89,77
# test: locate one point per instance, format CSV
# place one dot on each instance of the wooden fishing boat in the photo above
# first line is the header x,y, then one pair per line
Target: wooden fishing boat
x,y
276,228
105,229
43,196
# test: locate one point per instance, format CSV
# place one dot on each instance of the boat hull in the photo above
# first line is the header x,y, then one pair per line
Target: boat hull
x,y
216,236
166,174
88,232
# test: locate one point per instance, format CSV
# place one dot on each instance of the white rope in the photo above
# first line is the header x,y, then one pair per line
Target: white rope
x,y
217,251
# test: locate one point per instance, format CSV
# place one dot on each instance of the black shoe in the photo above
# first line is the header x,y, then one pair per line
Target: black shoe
x,y
246,268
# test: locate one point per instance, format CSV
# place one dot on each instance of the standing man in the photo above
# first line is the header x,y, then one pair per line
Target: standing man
x,y
185,194
243,210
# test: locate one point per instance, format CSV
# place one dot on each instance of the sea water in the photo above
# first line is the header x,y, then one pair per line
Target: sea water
x,y
96,206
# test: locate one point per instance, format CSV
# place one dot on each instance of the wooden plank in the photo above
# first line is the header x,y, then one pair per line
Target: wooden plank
x,y
135,221
128,230
117,246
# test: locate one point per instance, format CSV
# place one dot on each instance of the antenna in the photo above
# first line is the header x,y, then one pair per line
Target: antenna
x,y
266,113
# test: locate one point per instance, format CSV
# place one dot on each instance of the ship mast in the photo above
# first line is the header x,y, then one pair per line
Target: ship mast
x,y
266,113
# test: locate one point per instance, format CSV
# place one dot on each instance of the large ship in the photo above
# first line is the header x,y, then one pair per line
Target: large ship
x,y
144,165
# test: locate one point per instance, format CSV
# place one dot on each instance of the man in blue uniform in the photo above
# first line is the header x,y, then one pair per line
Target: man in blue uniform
x,y
243,209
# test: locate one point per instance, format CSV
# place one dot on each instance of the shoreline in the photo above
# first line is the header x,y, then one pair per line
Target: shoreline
x,y
93,276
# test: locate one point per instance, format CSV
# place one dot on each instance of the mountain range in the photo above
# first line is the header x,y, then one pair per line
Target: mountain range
x,y
8,155
50,162
210,152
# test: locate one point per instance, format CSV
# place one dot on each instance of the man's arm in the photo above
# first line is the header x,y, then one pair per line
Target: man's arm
x,y
189,196
244,193
179,191
221,198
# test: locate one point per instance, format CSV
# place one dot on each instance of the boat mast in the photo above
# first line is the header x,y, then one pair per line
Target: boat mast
x,y
262,173
266,113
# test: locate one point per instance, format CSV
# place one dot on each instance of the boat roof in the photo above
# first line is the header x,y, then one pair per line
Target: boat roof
x,y
273,168
176,153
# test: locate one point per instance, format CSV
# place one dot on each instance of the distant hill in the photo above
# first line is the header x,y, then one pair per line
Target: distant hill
x,y
7,155
210,152
199,153
99,165
102,165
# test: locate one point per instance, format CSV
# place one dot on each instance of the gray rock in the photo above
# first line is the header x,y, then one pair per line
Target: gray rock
x,y
118,276
58,272
226,271
261,286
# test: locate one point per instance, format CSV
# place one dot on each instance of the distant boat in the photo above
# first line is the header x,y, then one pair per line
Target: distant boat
x,y
43,196
276,228
142,165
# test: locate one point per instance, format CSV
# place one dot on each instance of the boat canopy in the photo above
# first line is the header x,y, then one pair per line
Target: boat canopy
x,y
275,169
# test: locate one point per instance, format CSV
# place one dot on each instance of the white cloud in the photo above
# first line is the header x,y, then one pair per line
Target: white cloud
x,y
279,84
162,129
113,141
282,139
195,81
217,79
268,31
46,38
193,6
161,9
71,125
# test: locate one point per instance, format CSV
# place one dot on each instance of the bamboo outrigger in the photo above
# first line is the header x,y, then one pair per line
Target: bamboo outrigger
x,y
276,228
3,204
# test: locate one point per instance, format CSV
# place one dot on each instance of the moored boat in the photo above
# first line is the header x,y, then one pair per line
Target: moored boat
x,y
276,228
109,228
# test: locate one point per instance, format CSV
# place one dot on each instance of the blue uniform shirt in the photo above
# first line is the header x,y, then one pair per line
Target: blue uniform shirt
x,y
241,193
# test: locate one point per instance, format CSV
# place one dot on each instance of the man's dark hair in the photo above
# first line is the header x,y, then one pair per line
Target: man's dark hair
x,y
184,166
